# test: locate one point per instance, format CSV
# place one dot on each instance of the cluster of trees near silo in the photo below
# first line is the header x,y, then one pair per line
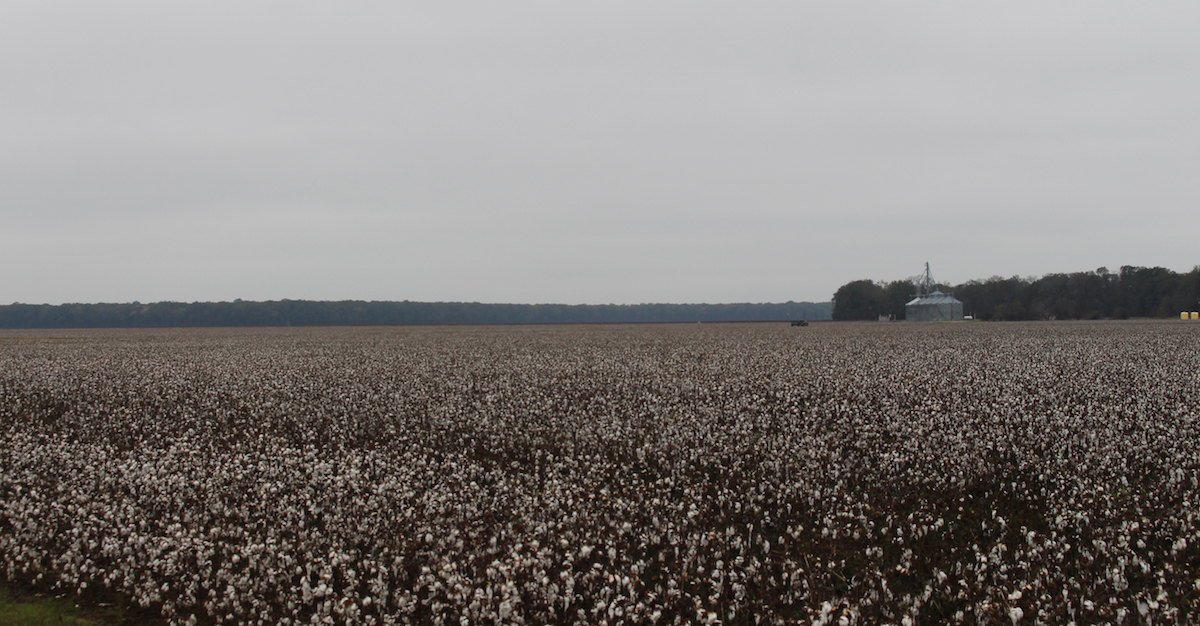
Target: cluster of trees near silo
x,y
1099,294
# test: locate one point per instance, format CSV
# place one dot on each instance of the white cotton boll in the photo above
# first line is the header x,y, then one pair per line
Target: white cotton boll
x,y
1015,614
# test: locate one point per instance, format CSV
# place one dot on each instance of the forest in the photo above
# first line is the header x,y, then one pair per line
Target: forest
x,y
360,313
1100,294
1145,292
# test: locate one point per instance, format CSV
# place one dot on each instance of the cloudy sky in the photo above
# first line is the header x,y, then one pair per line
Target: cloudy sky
x,y
572,152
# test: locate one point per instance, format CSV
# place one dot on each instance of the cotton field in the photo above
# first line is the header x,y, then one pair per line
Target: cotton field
x,y
659,474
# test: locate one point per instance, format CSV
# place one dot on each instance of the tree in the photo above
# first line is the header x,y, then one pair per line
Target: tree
x,y
981,297
859,300
1010,311
896,295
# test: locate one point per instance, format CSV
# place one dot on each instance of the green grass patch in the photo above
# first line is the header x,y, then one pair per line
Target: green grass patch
x,y
23,609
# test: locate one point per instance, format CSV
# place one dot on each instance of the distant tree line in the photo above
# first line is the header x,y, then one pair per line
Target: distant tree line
x,y
360,313
868,300
1131,292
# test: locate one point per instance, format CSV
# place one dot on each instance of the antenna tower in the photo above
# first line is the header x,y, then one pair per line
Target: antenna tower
x,y
924,282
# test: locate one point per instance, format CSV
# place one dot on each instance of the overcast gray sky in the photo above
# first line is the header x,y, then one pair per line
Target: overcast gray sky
x,y
571,152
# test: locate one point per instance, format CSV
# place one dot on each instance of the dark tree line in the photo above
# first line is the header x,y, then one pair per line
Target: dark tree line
x,y
868,300
1101,294
360,313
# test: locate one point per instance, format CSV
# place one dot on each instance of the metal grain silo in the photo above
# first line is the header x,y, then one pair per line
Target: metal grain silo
x,y
931,305
934,307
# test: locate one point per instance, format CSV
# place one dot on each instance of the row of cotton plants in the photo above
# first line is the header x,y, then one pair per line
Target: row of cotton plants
x,y
660,474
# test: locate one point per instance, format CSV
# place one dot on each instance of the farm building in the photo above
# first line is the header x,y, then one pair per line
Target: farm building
x,y
934,307
930,304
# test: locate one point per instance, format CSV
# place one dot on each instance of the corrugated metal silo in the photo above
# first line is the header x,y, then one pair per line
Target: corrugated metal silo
x,y
931,305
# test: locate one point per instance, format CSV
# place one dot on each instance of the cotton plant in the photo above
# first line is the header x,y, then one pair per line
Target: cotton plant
x,y
729,474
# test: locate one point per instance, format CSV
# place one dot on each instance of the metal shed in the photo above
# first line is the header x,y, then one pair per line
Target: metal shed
x,y
934,307
931,305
